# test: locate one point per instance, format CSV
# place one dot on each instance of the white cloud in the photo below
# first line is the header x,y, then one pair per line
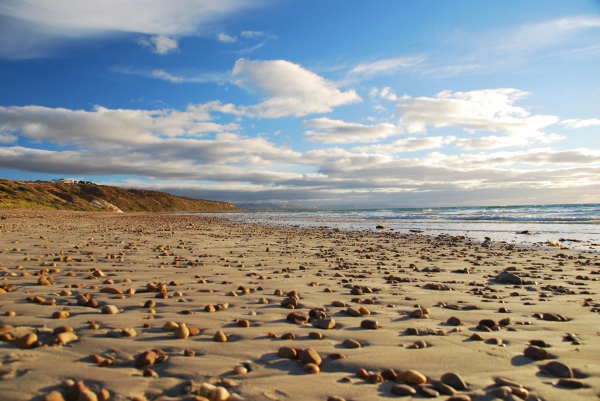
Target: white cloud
x,y
383,67
509,47
160,44
7,137
111,127
483,110
574,123
162,74
548,33
252,34
408,145
164,44
223,37
292,90
338,131
34,27
385,93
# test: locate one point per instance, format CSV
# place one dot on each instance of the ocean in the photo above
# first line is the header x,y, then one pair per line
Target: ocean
x,y
572,226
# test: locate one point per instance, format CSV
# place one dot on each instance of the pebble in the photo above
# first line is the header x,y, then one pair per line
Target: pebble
x,y
503,381
311,368
129,332
349,343
453,321
369,324
27,341
309,355
243,323
535,353
315,335
65,337
403,390
476,337
503,392
443,388
454,381
146,358
110,310
411,377
389,374
60,315
287,352
326,324
240,370
170,326
181,332
220,337
558,369
54,396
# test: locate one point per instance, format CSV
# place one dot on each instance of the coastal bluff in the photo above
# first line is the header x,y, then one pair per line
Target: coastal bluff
x,y
87,196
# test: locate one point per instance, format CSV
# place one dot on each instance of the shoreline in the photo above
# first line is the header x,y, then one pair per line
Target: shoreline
x,y
244,271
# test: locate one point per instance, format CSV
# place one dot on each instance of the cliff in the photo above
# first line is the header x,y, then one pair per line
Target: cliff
x,y
86,196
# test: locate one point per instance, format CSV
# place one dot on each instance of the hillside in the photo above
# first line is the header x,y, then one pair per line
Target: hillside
x,y
85,196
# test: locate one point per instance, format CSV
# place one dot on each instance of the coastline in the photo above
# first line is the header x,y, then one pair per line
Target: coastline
x,y
204,260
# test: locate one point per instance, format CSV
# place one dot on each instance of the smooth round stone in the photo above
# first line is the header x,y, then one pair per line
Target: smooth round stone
x,y
170,326
315,335
428,392
503,381
181,332
309,355
352,311
503,392
243,323
60,315
454,380
374,378
369,324
240,370
150,304
535,353
417,313
419,344
220,337
487,322
110,310
349,343
311,368
411,377
287,352
453,321
558,369
403,390
476,337
27,341
494,341
389,374
326,324
364,311
129,332
65,337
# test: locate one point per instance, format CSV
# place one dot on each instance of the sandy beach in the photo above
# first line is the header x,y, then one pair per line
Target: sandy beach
x,y
98,306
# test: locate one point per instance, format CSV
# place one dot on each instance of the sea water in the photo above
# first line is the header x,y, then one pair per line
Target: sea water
x,y
573,226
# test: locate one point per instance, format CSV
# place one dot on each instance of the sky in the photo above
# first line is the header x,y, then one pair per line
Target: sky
x,y
322,103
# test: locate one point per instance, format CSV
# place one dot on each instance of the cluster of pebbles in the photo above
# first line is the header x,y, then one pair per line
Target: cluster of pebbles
x,y
180,307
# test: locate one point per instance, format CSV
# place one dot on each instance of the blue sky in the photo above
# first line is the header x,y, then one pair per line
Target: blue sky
x,y
330,103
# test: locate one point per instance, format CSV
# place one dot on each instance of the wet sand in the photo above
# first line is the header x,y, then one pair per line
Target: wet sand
x,y
164,307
